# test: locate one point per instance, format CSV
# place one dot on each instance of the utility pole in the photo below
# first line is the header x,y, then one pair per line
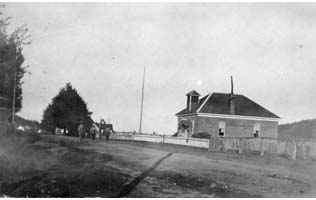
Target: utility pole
x,y
142,102
13,100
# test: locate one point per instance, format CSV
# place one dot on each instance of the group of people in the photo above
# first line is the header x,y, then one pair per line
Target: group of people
x,y
92,132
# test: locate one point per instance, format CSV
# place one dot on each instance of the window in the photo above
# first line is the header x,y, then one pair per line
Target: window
x,y
256,130
221,129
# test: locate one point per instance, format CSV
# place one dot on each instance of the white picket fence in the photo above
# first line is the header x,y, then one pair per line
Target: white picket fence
x,y
194,142
148,138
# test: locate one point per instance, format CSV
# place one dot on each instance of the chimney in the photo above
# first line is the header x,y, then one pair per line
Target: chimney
x,y
231,100
192,100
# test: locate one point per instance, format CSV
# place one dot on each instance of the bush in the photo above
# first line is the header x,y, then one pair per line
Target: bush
x,y
202,135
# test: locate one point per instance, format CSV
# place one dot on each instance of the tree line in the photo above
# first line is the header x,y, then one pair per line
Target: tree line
x,y
67,108
12,69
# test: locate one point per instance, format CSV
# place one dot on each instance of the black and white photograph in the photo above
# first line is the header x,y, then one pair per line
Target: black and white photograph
x,y
157,100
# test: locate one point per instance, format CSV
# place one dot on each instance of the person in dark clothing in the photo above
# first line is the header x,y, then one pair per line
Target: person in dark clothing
x,y
81,130
93,132
107,133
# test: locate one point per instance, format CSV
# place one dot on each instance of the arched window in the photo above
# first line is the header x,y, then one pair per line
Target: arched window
x,y
256,130
221,129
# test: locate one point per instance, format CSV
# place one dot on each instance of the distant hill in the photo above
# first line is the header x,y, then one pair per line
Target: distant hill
x,y
20,121
305,129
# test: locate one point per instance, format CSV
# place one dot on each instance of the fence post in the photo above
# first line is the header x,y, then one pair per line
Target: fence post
x,y
163,139
222,145
209,143
261,147
294,150
304,151
240,149
308,150
246,145
213,144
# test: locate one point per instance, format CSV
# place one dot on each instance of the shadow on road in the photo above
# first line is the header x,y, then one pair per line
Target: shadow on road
x,y
128,188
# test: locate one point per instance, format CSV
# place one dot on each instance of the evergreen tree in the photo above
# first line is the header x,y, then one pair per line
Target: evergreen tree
x,y
66,111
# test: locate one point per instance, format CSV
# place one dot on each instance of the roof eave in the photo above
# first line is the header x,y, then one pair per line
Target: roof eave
x,y
238,116
186,114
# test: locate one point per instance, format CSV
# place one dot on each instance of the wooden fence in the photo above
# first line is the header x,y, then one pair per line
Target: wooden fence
x,y
293,149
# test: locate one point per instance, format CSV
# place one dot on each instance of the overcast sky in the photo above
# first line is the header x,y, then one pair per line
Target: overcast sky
x,y
101,48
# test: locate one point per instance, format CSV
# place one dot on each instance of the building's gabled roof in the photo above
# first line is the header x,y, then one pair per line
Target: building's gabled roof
x,y
193,93
218,103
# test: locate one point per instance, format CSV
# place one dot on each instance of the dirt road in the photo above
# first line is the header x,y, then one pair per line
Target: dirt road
x,y
50,166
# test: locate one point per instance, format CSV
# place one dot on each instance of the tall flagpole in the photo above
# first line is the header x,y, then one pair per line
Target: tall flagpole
x,y
142,102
